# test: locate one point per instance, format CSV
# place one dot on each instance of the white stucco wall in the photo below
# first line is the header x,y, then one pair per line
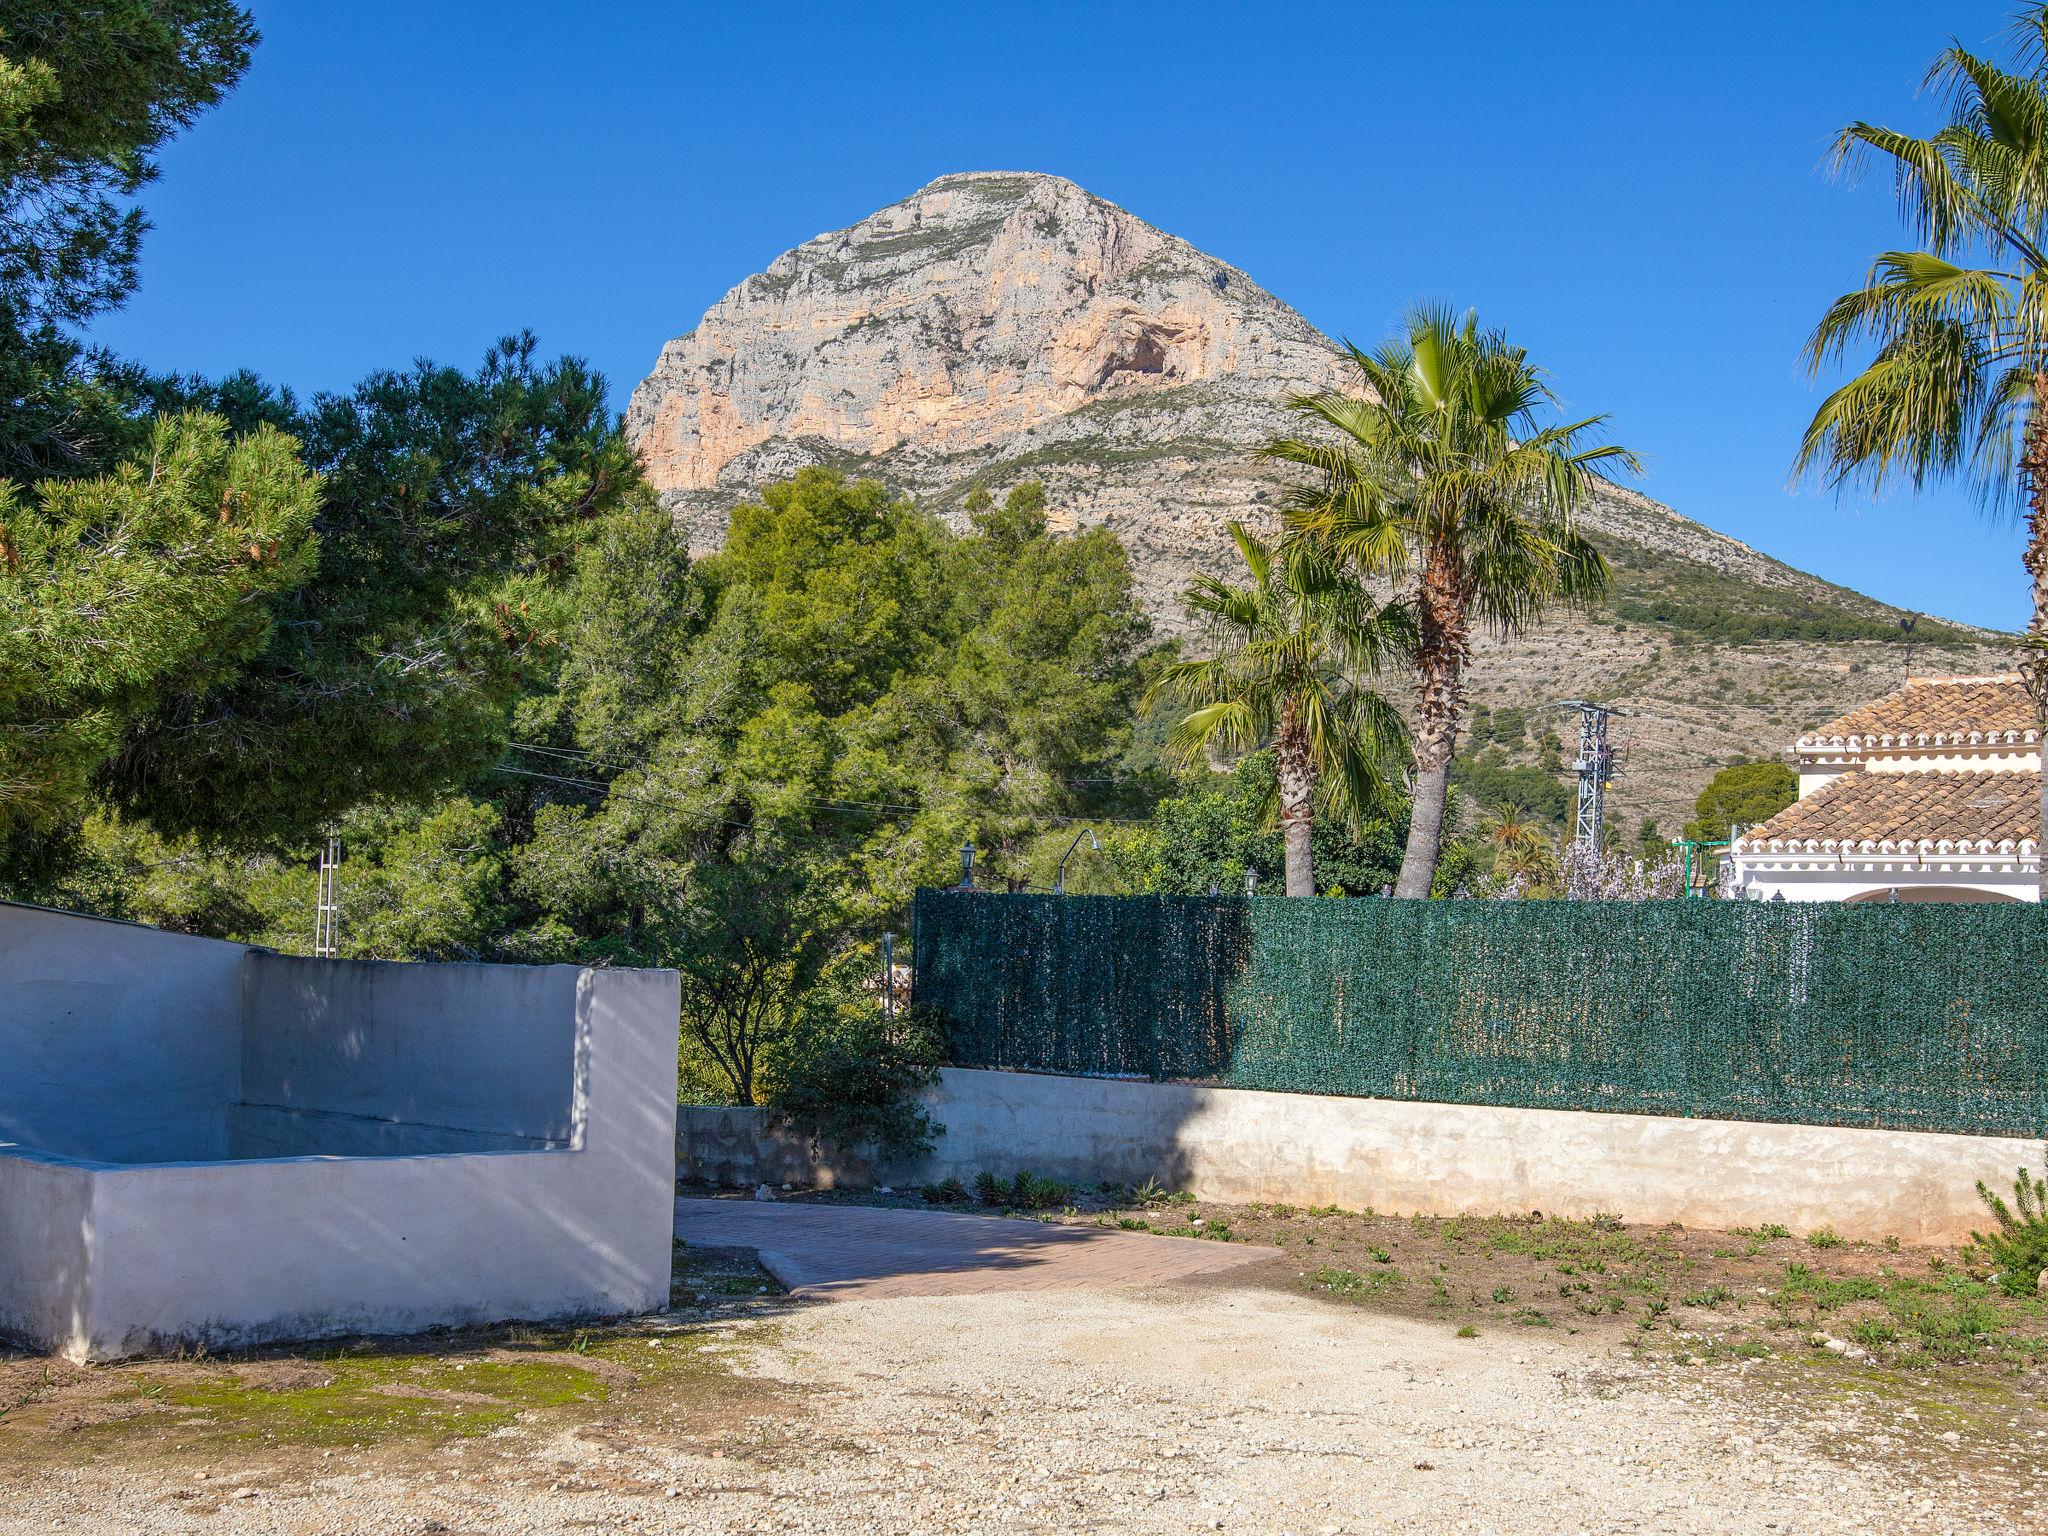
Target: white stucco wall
x,y
1240,1145
45,1227
460,1057
324,1246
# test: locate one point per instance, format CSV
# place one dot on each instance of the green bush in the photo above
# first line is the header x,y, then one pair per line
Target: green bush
x,y
1026,1191
848,1076
2018,1250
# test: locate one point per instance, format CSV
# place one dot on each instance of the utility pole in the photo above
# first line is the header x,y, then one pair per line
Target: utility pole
x,y
1595,768
327,904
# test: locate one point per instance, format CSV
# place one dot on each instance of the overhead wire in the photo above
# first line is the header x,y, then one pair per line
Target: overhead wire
x,y
857,807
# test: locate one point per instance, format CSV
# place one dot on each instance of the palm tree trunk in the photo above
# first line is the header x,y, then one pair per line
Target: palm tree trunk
x,y
1297,797
2034,645
1440,656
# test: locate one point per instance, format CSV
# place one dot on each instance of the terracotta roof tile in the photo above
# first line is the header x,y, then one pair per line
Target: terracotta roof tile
x,y
1936,711
1869,810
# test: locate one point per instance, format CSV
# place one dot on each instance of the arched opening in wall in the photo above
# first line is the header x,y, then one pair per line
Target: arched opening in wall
x,y
1935,893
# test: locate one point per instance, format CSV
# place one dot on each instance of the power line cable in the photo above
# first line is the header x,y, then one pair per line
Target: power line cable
x,y
850,806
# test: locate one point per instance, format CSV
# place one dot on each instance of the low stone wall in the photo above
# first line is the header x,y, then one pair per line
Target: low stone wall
x,y
734,1148
1243,1146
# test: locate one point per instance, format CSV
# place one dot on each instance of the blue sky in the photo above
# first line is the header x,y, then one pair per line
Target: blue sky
x,y
1634,191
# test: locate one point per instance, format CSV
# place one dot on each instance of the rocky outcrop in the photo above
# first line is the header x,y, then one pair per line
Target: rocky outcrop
x,y
995,327
991,326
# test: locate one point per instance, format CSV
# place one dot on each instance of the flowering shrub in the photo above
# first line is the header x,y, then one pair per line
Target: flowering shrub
x,y
1606,874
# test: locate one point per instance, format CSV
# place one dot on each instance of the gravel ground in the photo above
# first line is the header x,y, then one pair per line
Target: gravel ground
x,y
1211,1405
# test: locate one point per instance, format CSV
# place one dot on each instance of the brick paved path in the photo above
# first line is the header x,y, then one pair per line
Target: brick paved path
x,y
842,1251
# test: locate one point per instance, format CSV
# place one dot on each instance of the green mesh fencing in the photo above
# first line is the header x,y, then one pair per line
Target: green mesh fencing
x,y
1916,1017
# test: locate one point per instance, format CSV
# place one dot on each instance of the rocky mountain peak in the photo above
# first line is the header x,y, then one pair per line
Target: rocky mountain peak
x,y
996,326
984,305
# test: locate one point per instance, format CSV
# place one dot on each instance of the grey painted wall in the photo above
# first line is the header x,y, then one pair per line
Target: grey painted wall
x,y
45,1227
117,1042
440,1144
485,1053
235,1254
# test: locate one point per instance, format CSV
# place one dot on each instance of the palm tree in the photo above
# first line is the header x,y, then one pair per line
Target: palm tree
x,y
1520,850
1439,468
1292,647
1958,385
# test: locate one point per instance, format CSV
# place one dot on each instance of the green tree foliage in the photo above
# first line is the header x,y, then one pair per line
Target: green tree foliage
x,y
1744,794
89,92
451,507
752,761
1438,466
1521,853
119,589
2018,1247
1956,386
1488,779
848,1074
1291,650
1219,826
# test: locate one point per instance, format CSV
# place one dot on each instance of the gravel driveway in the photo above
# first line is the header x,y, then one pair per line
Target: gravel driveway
x,y
1222,1403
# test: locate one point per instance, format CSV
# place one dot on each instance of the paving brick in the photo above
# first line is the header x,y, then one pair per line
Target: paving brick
x,y
845,1251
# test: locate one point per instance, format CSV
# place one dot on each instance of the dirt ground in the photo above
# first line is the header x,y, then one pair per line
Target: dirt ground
x,y
1656,1292
1315,1394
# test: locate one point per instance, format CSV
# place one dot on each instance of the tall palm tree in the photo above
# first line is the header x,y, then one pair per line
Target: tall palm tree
x,y
1439,467
1293,646
1958,386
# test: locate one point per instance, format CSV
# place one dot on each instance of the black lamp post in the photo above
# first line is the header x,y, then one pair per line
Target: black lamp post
x,y
1059,881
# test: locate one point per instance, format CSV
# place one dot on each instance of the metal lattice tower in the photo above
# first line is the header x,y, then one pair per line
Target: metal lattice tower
x,y
327,905
1595,768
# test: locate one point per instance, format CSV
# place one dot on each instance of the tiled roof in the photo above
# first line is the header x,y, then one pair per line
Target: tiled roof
x,y
1988,711
1945,812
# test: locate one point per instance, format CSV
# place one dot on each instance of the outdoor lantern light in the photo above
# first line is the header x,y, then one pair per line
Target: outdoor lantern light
x,y
1059,881
967,865
1251,882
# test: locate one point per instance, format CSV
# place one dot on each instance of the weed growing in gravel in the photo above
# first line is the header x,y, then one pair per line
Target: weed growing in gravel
x,y
1823,1237
1352,1285
1153,1193
1025,1192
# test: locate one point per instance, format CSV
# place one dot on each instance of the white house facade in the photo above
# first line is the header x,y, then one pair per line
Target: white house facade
x,y
1931,793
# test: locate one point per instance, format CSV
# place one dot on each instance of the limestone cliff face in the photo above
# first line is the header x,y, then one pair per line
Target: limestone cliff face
x,y
990,324
996,327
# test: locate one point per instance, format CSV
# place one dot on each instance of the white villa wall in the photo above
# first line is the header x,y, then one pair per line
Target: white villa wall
x,y
2019,759
1824,879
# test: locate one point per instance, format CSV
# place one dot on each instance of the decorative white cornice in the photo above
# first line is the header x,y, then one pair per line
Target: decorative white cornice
x,y
1908,741
1882,848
